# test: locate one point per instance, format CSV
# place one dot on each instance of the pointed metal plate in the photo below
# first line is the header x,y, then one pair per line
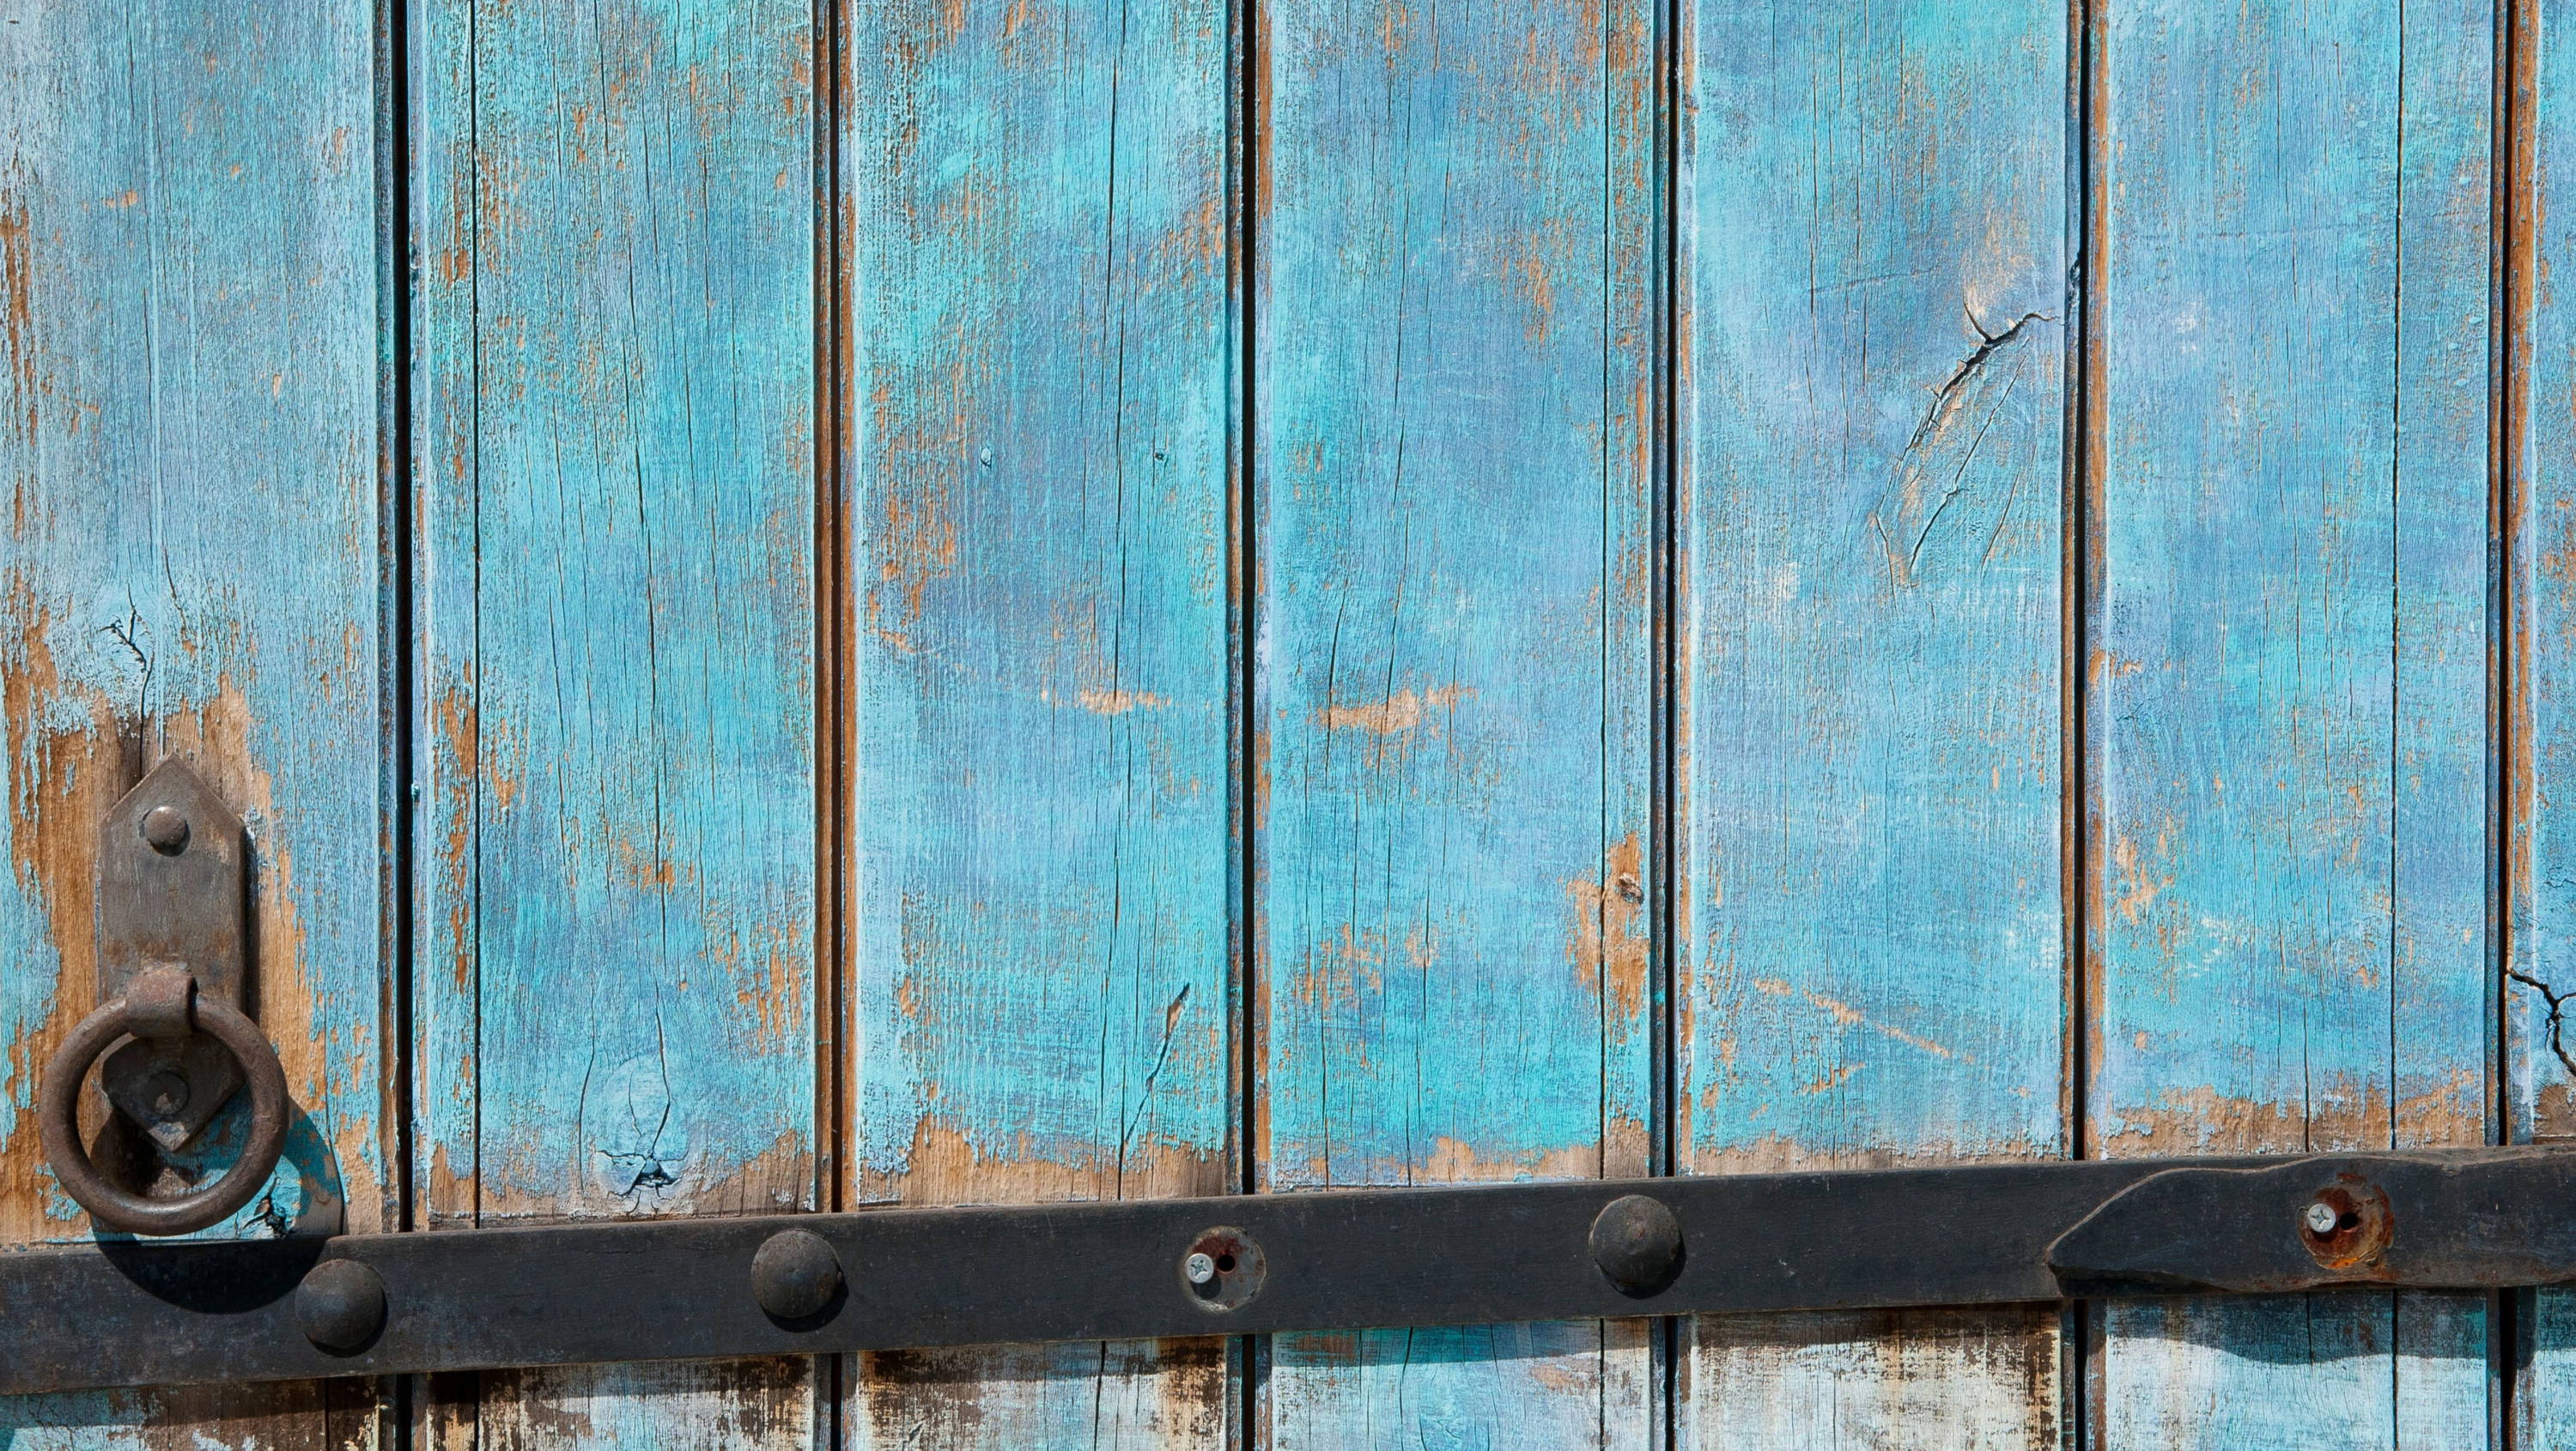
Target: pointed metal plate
x,y
173,889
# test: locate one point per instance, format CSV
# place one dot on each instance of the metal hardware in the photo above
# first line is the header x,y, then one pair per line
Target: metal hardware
x,y
797,1278
122,1313
340,1307
172,896
1637,1242
1236,1269
58,1107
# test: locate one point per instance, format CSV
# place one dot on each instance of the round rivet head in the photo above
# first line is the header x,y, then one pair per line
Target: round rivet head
x,y
167,1093
340,1307
1637,1243
796,1277
165,830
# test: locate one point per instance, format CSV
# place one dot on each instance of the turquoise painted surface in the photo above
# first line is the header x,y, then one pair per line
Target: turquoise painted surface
x,y
2539,726
2545,1376
1039,402
1450,604
2290,678
616,456
1464,1386
1457,221
191,457
1875,508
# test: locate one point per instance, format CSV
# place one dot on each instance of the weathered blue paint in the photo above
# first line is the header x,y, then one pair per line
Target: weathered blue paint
x,y
2290,676
616,424
2539,725
1445,595
1872,627
1456,225
191,453
1039,397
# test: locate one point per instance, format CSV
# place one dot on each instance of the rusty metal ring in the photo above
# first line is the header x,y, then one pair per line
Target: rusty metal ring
x,y
58,1120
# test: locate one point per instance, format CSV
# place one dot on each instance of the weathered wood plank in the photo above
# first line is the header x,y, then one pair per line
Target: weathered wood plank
x,y
1039,395
615,403
1454,421
2539,735
190,441
1873,632
2290,673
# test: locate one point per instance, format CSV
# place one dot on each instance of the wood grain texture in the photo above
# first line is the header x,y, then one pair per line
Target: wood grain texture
x,y
191,449
1873,925
1456,229
2290,675
2539,740
615,402
1039,388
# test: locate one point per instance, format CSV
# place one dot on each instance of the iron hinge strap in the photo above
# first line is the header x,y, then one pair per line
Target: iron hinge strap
x,y
125,1312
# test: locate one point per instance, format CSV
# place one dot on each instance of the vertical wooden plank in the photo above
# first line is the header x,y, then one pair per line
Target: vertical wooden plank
x,y
1872,783
2539,741
1457,222
2290,672
190,442
615,404
1038,407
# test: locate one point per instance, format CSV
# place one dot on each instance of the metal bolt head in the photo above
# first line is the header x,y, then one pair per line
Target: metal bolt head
x,y
1199,1267
1637,1243
165,829
340,1307
2321,1217
167,1093
796,1277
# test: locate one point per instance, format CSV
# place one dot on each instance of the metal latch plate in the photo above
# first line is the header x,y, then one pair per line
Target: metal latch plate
x,y
173,890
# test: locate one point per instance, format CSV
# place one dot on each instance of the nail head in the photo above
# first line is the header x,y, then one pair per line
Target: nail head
x,y
340,1307
165,830
796,1276
1637,1243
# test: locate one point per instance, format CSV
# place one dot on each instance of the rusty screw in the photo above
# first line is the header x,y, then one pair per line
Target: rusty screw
x,y
2322,1217
166,829
1199,1267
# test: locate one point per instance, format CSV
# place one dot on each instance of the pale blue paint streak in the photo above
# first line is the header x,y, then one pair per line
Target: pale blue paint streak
x,y
615,419
2541,727
1455,335
2292,672
1042,824
1874,626
1879,324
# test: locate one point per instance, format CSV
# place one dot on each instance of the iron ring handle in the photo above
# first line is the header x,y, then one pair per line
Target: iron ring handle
x,y
153,1006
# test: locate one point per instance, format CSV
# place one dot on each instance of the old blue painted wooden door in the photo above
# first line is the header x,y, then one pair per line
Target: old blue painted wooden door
x,y
927,601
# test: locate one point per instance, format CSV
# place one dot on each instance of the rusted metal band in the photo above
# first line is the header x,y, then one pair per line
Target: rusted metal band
x,y
138,1314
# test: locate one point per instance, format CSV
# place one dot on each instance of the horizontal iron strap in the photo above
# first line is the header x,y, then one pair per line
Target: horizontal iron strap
x,y
133,1313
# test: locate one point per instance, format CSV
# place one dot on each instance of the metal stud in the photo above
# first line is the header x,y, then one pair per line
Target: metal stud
x,y
340,1307
1637,1242
165,829
796,1277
